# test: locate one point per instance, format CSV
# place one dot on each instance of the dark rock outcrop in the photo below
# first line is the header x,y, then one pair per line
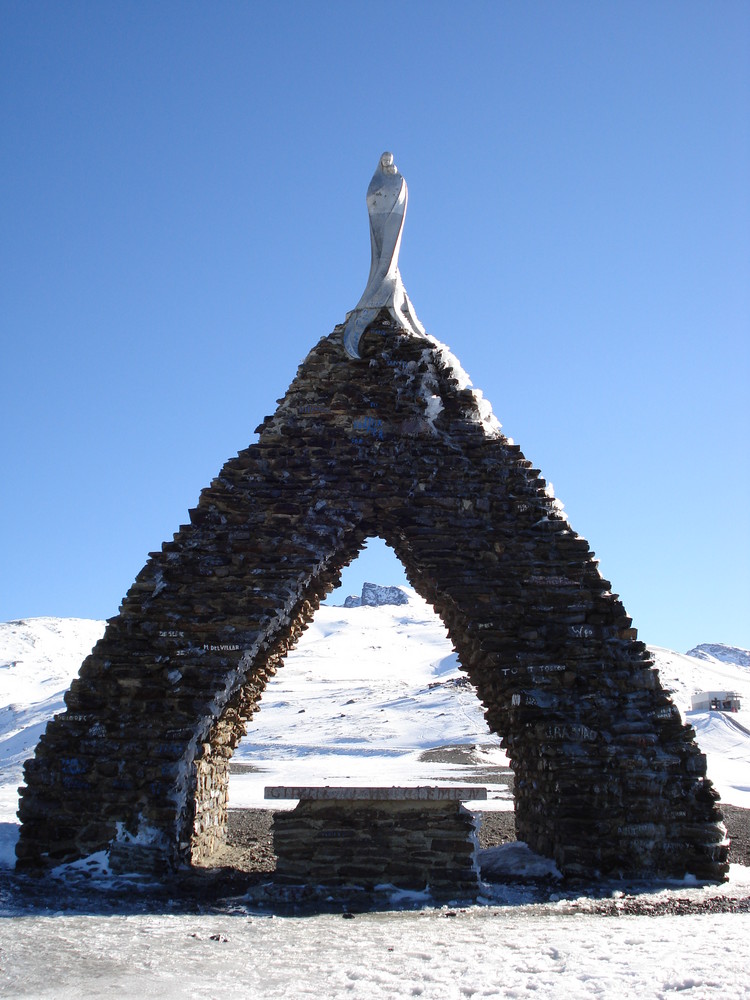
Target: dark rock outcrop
x,y
718,651
376,596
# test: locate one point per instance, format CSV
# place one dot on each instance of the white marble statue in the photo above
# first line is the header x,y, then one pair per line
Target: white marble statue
x,y
386,205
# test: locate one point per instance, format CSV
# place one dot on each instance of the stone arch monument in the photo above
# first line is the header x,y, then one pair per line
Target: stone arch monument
x,y
380,433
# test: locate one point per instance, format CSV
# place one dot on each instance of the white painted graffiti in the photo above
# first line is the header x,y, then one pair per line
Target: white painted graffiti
x,y
562,732
581,631
539,668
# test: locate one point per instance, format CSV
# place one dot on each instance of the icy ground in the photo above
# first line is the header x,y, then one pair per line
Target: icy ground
x,y
430,954
367,697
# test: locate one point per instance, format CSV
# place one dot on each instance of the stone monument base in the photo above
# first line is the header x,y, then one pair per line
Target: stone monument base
x,y
418,839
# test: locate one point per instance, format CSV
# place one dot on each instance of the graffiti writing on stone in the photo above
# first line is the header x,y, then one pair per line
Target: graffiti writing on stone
x,y
367,427
524,699
667,713
211,647
581,631
541,668
563,732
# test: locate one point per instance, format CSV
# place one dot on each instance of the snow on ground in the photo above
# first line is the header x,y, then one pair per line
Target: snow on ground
x,y
524,952
367,691
40,656
378,677
363,699
726,740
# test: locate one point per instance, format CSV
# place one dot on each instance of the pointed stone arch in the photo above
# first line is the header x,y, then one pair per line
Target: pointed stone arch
x,y
395,444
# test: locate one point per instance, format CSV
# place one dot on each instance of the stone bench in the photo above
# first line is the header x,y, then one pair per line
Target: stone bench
x,y
414,838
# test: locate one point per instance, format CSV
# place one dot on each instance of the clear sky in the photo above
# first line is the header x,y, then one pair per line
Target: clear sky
x,y
183,217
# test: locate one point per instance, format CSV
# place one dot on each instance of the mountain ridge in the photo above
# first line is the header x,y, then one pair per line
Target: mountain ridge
x,y
376,595
719,652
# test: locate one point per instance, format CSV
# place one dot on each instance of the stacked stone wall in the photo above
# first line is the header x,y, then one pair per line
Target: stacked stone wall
x,y
608,779
414,846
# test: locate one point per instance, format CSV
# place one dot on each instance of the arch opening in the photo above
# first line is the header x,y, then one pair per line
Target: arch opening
x,y
372,695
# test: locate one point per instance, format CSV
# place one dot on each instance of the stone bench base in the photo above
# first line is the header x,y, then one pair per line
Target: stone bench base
x,y
410,844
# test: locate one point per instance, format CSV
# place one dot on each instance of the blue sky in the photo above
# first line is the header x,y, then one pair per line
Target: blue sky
x,y
183,218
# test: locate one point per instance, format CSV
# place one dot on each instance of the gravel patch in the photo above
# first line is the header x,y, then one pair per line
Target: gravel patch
x,y
738,827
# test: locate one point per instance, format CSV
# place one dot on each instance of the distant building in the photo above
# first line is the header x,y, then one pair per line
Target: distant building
x,y
716,701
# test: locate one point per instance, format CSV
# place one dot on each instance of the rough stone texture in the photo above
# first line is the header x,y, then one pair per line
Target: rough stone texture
x,y
408,844
608,779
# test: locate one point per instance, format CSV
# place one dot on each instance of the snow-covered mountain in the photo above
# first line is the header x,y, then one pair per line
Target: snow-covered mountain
x,y
372,694
717,652
374,595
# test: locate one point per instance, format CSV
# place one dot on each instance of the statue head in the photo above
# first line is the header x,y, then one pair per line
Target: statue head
x,y
387,165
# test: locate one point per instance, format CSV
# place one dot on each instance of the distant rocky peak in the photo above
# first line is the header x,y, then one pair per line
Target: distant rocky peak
x,y
374,596
718,651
